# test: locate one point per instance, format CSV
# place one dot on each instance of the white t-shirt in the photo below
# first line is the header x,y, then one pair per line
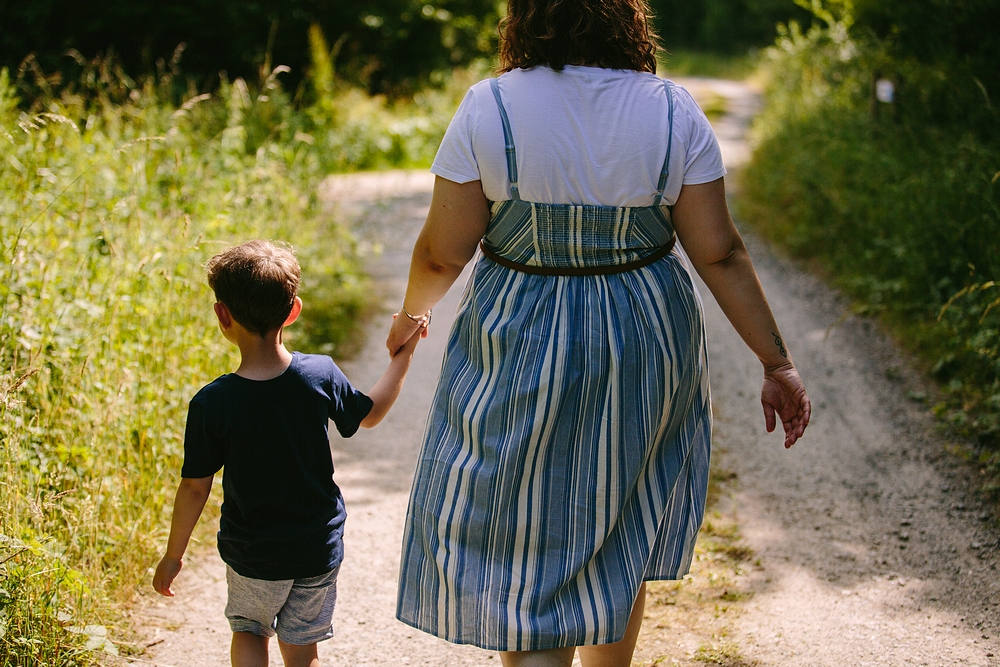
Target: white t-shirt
x,y
585,135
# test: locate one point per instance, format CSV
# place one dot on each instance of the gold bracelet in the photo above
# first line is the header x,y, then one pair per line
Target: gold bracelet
x,y
425,319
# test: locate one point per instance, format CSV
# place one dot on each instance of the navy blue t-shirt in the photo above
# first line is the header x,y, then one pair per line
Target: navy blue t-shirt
x,y
282,514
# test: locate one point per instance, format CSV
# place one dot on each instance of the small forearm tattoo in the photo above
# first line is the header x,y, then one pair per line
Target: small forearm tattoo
x,y
781,346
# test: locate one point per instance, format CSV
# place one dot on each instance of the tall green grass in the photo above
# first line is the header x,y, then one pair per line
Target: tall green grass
x,y
112,197
903,211
703,63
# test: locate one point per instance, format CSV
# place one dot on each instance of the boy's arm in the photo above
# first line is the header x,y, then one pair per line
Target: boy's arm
x,y
192,494
385,391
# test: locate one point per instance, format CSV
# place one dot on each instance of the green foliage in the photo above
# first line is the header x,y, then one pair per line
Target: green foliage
x,y
900,205
32,633
722,26
390,46
944,56
352,130
704,63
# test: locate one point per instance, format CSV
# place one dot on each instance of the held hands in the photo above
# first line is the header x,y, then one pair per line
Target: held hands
x,y
166,572
783,394
405,332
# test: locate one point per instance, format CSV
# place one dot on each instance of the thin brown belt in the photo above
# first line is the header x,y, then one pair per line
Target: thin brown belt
x,y
659,254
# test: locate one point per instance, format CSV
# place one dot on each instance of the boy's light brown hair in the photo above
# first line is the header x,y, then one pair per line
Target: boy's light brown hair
x,y
258,282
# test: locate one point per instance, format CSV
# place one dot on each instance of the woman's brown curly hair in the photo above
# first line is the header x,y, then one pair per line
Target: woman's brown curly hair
x,y
615,34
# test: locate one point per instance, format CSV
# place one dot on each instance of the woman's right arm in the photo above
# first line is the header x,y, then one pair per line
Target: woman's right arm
x,y
456,222
710,239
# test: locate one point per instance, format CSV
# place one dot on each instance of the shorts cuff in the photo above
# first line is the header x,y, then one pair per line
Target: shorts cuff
x,y
303,638
253,627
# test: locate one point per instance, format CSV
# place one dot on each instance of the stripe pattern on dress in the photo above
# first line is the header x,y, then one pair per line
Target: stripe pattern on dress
x,y
565,458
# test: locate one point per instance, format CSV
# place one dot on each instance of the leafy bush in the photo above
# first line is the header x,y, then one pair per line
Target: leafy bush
x,y
353,130
903,208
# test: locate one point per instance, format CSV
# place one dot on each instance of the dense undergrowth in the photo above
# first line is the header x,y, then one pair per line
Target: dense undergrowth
x,y
900,204
113,194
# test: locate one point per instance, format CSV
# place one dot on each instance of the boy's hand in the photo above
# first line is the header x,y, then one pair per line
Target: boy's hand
x,y
411,343
385,391
402,331
165,574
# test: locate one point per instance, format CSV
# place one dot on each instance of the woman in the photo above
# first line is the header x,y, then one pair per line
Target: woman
x,y
565,460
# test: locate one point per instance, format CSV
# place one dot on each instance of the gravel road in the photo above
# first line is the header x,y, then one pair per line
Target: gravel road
x,y
870,548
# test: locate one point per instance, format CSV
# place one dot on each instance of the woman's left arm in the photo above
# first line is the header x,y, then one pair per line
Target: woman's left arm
x,y
711,241
456,222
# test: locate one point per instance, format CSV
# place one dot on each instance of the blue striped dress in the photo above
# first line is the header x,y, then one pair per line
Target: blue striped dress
x,y
565,458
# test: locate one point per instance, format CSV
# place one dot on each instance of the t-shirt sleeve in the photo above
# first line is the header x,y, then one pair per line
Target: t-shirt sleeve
x,y
348,406
703,163
204,451
456,159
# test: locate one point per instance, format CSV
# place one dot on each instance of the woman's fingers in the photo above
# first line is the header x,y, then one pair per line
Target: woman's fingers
x,y
800,410
398,334
401,331
768,417
783,394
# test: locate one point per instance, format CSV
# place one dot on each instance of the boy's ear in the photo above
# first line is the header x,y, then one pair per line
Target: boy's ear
x,y
294,315
222,312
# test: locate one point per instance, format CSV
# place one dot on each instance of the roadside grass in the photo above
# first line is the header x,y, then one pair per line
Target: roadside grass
x,y
113,195
705,64
900,208
715,106
694,614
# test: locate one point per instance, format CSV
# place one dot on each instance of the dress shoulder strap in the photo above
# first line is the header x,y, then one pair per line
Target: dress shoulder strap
x,y
508,140
665,171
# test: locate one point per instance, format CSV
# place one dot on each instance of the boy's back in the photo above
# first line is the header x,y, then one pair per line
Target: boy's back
x,y
283,515
281,532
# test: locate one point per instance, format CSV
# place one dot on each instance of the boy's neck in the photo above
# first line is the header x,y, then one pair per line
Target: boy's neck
x,y
262,357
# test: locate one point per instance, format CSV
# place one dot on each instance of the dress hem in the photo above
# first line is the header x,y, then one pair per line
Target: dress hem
x,y
465,641
496,647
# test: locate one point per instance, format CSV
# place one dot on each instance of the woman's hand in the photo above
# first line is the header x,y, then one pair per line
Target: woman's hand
x,y
783,394
402,330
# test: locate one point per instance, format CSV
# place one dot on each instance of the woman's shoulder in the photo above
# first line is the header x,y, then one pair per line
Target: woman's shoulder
x,y
681,94
481,87
687,112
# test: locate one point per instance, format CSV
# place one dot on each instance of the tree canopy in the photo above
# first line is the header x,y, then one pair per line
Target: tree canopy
x,y
722,26
385,44
395,45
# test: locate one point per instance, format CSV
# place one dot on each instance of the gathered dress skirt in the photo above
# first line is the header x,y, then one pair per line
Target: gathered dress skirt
x,y
565,458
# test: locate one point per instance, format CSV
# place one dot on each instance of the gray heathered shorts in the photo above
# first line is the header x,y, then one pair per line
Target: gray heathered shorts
x,y
299,611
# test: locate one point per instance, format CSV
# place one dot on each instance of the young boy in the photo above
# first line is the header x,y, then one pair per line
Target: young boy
x,y
282,514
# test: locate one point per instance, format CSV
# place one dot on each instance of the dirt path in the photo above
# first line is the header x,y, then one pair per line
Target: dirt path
x,y
870,550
